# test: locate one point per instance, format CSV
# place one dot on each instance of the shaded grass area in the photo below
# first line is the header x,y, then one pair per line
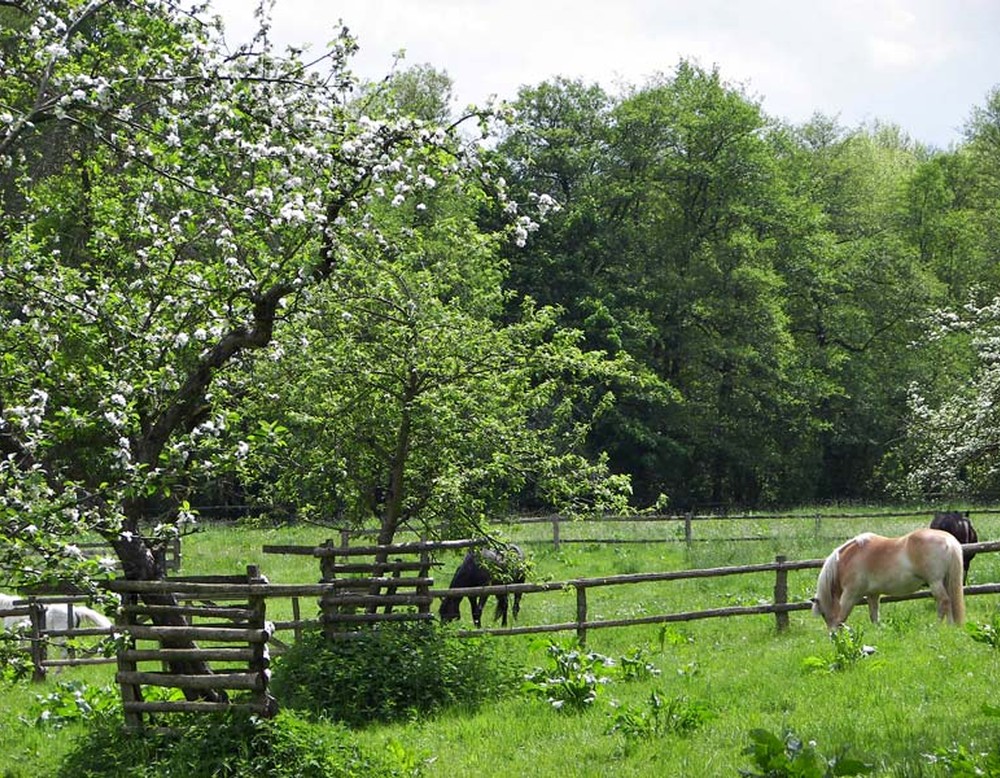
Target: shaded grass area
x,y
925,688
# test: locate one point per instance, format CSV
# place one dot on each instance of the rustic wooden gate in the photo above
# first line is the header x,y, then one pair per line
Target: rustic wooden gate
x,y
226,617
359,592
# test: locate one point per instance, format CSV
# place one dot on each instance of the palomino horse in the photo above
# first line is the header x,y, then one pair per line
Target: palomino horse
x,y
870,565
958,524
483,568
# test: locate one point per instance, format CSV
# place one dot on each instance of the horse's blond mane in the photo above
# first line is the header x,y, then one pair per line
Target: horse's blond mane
x,y
827,581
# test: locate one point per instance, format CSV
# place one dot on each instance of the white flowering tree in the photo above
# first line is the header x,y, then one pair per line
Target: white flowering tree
x,y
166,202
953,433
952,445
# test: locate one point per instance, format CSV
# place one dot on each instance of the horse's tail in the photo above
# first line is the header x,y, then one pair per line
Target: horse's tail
x,y
97,619
955,583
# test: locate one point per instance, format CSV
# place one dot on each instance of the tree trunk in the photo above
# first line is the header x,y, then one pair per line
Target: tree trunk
x,y
139,563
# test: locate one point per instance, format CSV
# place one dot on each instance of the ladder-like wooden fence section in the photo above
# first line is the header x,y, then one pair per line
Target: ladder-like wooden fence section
x,y
360,592
222,624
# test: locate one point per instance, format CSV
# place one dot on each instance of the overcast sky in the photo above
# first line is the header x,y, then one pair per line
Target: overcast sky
x,y
922,64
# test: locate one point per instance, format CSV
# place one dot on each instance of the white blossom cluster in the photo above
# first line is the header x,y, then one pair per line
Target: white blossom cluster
x,y
957,439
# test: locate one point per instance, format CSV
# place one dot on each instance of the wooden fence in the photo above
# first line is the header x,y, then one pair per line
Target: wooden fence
x,y
41,637
780,606
221,625
34,613
200,597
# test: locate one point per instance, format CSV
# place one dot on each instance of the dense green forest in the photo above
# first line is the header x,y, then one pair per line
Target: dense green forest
x,y
228,273
788,290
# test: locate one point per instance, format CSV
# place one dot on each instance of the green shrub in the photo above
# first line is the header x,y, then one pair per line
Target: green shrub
x,y
74,701
396,670
15,662
233,745
635,666
848,649
986,633
960,762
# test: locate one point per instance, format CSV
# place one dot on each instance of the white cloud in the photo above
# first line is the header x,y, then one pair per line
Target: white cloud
x,y
892,53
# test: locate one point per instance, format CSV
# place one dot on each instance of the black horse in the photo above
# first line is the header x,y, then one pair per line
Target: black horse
x,y
484,568
958,525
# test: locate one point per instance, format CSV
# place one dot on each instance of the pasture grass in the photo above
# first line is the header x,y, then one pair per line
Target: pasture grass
x,y
926,689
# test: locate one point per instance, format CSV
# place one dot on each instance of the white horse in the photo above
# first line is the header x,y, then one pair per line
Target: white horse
x,y
869,565
56,616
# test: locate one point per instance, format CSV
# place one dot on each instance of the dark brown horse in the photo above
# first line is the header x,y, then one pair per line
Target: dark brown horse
x,y
958,524
484,568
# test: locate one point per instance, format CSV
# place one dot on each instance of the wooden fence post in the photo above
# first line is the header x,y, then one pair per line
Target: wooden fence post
x,y
70,624
327,569
781,591
261,660
127,666
297,618
39,649
581,613
687,528
555,532
424,572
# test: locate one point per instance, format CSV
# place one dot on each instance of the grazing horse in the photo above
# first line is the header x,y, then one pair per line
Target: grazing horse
x,y
870,565
56,615
483,568
958,525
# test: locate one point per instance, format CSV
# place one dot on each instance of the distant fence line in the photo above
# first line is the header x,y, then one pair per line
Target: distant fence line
x,y
689,520
780,606
684,521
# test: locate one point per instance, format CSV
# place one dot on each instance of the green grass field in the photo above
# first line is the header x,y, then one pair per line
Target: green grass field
x,y
927,688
